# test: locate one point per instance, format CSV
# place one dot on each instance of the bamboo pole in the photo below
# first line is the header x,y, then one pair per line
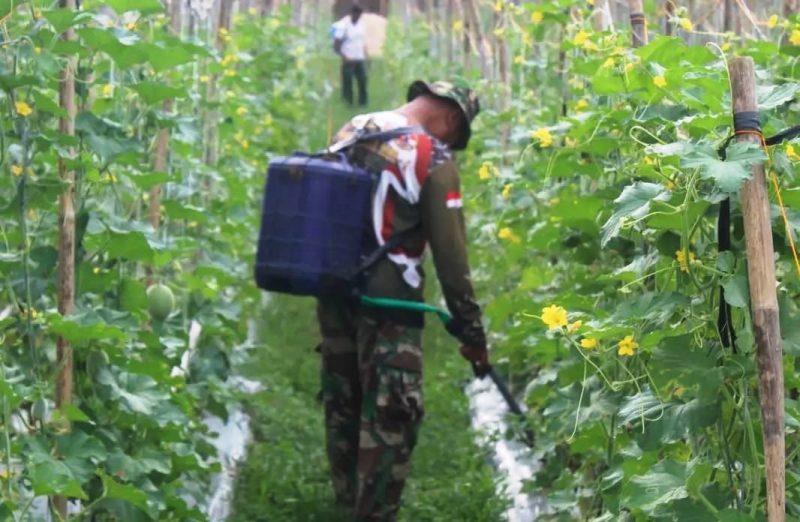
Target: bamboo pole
x,y
162,139
66,235
790,7
638,23
478,37
669,12
221,28
763,298
448,30
601,16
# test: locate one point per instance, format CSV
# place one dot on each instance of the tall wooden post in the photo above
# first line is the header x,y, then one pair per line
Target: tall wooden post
x,y
669,12
790,7
448,29
763,298
66,234
162,138
638,23
601,16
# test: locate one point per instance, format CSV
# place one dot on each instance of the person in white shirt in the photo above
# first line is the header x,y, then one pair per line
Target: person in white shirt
x,y
350,44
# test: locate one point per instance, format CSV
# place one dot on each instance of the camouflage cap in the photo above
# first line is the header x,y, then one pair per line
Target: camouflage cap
x,y
457,91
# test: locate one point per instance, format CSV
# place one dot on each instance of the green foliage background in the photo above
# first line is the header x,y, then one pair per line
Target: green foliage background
x,y
594,189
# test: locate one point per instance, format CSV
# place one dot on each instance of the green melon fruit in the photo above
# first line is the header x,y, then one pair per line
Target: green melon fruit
x,y
160,302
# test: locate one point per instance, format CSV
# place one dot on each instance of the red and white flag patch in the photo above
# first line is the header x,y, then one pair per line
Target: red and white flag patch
x,y
454,200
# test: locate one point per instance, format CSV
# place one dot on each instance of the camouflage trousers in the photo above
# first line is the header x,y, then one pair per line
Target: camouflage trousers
x,y
372,393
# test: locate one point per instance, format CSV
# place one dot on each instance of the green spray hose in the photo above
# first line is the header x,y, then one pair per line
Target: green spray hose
x,y
399,304
416,306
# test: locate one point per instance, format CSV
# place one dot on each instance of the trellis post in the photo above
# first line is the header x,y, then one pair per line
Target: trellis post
x,y
763,297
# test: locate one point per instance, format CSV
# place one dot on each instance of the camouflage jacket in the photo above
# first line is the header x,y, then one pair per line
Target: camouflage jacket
x,y
417,185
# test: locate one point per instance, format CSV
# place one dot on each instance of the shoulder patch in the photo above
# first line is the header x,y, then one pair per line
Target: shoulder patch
x,y
454,199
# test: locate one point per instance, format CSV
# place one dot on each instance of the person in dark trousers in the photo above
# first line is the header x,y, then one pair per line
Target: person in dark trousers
x,y
372,357
350,44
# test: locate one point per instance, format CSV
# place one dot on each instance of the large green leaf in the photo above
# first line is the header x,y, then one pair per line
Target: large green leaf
x,y
83,328
730,173
145,7
105,137
126,50
665,482
633,203
154,92
772,96
126,492
137,393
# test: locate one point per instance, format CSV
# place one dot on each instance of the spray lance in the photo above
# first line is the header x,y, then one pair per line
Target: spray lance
x,y
452,328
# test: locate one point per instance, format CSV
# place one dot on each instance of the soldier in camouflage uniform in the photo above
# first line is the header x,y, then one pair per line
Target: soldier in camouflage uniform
x,y
372,357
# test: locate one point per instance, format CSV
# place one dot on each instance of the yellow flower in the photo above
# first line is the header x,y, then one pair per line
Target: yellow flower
x,y
590,46
506,191
230,72
726,47
581,105
37,50
573,327
108,90
536,17
629,67
204,78
580,38
544,136
485,172
130,26
686,24
794,38
227,60
499,32
791,153
554,317
660,81
588,343
590,2
498,5
680,255
627,346
23,109
527,40
223,33
575,83
37,13
772,22
519,59
670,184
508,234
458,26
16,170
609,63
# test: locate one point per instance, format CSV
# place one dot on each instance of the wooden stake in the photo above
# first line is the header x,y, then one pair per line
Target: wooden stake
x,y
66,235
478,37
448,30
763,298
162,139
601,16
669,12
638,23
